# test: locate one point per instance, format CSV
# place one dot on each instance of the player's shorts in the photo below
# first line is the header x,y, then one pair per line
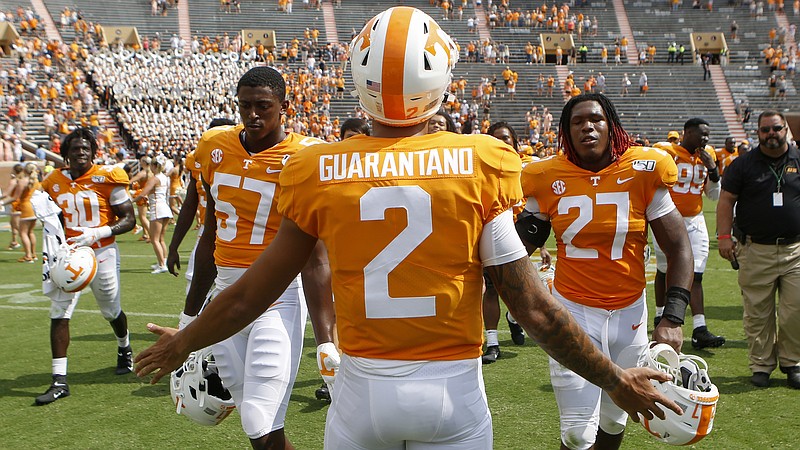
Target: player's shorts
x,y
259,364
105,288
582,405
398,405
698,237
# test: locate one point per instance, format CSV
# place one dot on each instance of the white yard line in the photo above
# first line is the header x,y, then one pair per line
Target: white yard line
x,y
90,311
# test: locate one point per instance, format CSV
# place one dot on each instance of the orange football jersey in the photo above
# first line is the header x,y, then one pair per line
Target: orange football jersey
x,y
85,201
245,190
194,168
599,222
402,219
687,193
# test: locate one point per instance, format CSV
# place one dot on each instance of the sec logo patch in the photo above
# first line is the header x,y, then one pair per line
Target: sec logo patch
x,y
559,187
216,156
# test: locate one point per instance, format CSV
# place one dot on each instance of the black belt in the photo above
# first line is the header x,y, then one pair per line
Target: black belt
x,y
776,241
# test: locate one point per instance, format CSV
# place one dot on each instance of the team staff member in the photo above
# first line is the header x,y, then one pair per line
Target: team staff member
x,y
96,207
698,174
240,166
409,232
600,197
764,186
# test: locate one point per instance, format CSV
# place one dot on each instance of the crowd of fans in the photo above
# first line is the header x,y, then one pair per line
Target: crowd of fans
x,y
163,93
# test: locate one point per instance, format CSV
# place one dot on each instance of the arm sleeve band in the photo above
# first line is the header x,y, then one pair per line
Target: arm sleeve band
x,y
499,243
532,229
119,195
661,205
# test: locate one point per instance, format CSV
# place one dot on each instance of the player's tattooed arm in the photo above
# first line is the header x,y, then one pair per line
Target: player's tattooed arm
x,y
550,324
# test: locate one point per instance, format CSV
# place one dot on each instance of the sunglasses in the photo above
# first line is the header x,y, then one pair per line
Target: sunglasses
x,y
775,128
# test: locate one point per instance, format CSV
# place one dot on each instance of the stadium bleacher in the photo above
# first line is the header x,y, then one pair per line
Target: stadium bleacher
x,y
676,92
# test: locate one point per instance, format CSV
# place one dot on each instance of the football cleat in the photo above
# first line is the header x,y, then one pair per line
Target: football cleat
x,y
702,338
517,333
323,393
491,354
59,389
124,360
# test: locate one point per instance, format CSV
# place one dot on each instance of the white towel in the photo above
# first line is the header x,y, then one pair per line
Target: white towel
x,y
53,237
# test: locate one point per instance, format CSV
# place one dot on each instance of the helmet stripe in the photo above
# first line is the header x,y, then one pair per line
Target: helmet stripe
x,y
394,56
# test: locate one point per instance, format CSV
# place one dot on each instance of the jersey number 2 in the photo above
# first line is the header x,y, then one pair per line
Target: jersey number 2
x,y
417,204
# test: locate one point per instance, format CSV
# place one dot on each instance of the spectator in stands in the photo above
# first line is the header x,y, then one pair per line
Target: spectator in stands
x,y
441,121
643,86
625,83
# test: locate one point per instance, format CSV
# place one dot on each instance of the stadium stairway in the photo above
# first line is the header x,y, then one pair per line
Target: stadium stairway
x,y
47,20
207,20
120,13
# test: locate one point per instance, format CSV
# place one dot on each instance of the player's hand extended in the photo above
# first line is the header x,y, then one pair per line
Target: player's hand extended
x,y
162,357
636,394
669,332
328,361
173,261
89,236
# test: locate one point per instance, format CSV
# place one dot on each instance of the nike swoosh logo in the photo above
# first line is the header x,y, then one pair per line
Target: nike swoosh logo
x,y
271,170
636,327
57,395
623,180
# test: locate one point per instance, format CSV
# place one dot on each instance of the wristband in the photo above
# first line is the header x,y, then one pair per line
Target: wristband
x,y
677,301
723,236
713,174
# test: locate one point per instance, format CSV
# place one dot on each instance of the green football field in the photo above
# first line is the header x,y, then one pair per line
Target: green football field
x,y
108,411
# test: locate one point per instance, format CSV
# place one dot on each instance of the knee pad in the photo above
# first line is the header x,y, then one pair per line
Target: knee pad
x,y
258,419
578,434
698,277
106,292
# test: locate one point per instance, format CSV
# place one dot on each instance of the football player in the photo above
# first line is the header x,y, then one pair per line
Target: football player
x,y
697,174
240,166
193,204
491,302
96,207
599,198
410,219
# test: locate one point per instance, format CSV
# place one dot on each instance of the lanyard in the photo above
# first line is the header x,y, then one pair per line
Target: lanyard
x,y
778,177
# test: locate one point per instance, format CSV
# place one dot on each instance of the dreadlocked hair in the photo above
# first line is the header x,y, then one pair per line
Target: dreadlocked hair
x,y
618,140
263,76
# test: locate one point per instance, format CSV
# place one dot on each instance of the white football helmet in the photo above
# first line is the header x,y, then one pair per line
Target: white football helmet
x,y
401,64
198,392
691,389
73,268
547,273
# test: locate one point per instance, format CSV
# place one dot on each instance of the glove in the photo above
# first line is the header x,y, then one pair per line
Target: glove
x,y
89,236
328,361
184,320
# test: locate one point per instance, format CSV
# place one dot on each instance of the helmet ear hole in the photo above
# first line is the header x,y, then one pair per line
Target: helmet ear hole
x,y
425,28
427,62
198,391
366,58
